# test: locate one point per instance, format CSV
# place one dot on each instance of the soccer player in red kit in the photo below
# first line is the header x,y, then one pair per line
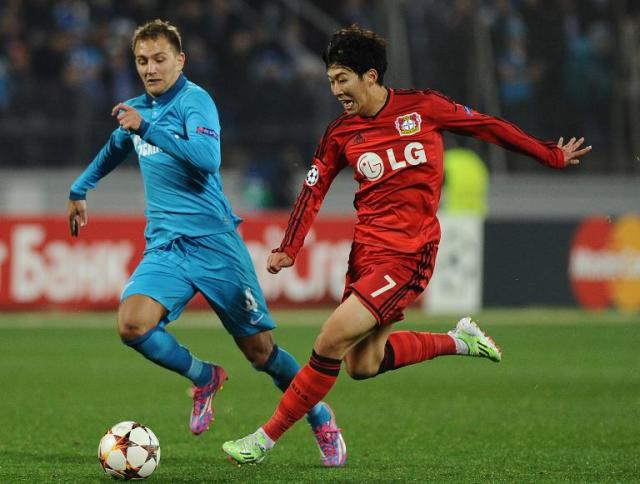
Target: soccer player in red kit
x,y
392,139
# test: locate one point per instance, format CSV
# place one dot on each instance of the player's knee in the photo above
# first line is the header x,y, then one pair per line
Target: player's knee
x,y
129,330
359,371
138,314
257,348
258,356
131,326
360,374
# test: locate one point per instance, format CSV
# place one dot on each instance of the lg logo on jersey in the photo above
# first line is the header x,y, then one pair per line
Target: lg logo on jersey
x,y
371,165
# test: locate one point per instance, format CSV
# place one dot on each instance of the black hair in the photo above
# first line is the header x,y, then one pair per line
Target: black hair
x,y
357,49
156,28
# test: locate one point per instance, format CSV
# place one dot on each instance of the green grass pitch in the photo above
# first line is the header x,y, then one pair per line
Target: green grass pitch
x,y
563,406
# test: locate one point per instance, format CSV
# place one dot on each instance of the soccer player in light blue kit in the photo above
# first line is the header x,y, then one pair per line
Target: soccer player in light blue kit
x,y
191,240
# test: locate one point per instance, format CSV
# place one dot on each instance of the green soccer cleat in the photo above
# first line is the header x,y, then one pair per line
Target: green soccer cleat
x,y
479,344
251,449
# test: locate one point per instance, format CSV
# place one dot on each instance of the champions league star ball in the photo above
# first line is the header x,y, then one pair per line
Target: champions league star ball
x,y
129,451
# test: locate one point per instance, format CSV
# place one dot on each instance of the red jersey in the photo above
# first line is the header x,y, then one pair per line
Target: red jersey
x,y
396,157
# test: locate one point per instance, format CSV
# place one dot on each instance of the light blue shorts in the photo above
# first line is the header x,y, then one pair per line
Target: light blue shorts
x,y
218,266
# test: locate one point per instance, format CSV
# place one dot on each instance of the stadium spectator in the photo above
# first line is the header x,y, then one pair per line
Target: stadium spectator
x,y
517,77
546,50
53,47
588,77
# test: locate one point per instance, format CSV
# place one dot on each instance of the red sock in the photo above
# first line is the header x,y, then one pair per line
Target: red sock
x,y
405,348
309,386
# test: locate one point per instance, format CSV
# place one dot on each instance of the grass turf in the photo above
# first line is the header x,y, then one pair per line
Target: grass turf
x,y
563,406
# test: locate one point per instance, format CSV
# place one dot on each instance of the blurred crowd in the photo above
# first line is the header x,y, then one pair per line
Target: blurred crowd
x,y
555,62
64,63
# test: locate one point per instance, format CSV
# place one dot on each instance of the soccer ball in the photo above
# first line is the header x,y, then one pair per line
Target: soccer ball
x,y
129,450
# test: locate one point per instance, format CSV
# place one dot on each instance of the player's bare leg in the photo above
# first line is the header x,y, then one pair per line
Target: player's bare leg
x,y
352,334
363,360
138,314
350,323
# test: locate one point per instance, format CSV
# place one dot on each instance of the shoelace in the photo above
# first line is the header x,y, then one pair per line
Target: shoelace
x,y
205,391
200,392
248,443
199,397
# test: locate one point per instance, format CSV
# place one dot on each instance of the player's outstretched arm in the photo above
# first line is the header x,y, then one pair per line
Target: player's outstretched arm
x,y
278,260
77,215
571,150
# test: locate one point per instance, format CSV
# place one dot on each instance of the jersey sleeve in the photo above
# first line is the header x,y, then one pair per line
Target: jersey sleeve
x,y
201,146
327,163
450,116
111,155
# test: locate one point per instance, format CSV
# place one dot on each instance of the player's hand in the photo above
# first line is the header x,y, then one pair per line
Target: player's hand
x,y
278,260
571,151
77,215
129,118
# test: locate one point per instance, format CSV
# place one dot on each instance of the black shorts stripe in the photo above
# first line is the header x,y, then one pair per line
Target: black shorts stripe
x,y
426,260
401,291
389,305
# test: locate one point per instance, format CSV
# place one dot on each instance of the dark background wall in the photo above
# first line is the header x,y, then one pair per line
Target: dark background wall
x,y
526,263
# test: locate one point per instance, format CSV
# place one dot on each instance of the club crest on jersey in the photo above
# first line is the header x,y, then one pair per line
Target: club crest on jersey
x,y
313,176
408,124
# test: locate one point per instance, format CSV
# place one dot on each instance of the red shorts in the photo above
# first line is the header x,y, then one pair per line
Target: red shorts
x,y
385,281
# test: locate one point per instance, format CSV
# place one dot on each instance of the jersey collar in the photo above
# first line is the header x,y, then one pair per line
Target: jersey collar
x,y
170,93
386,103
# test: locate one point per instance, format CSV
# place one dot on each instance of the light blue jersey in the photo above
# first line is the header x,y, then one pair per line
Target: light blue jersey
x,y
192,242
178,147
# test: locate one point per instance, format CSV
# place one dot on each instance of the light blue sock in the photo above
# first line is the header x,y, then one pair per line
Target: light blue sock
x,y
282,367
161,347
